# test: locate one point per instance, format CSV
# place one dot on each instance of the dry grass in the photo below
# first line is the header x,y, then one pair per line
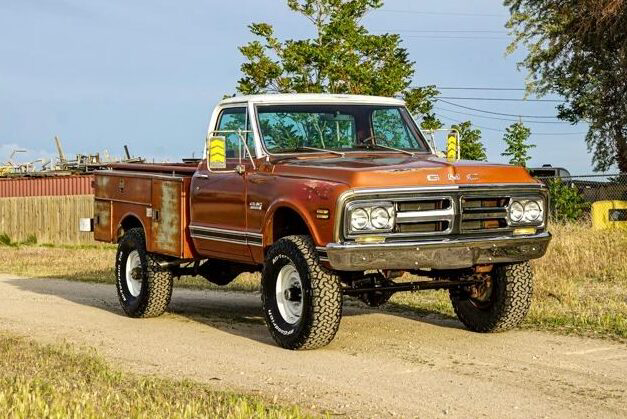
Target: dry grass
x,y
580,285
59,382
89,264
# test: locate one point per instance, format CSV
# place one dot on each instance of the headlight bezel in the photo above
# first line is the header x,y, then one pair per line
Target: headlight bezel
x,y
524,201
369,207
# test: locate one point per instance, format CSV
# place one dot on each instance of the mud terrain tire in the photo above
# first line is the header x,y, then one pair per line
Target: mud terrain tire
x,y
509,302
149,294
318,290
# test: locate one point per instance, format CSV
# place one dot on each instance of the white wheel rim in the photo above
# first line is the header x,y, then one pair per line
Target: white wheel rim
x,y
133,262
289,294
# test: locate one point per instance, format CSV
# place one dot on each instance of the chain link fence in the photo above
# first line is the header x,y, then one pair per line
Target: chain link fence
x,y
572,196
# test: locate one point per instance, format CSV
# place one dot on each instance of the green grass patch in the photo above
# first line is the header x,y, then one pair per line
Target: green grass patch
x,y
5,240
58,382
31,240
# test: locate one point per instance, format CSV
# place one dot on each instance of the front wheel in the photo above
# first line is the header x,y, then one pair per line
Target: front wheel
x,y
302,301
144,288
499,303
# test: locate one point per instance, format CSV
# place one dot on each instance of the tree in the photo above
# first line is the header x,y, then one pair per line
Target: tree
x,y
471,147
578,49
516,136
342,58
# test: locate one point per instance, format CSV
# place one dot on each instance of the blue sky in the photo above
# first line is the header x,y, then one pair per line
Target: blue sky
x,y
102,74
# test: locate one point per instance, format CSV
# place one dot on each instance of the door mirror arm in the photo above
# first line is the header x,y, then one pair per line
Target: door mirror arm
x,y
240,168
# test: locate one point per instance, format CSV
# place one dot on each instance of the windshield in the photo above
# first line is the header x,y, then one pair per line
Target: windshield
x,y
304,128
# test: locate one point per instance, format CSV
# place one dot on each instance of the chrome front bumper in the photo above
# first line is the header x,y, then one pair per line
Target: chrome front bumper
x,y
441,254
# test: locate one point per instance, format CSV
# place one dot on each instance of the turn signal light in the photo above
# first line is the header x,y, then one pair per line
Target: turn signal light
x,y
370,239
524,231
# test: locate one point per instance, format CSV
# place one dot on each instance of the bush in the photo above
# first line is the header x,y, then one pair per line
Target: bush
x,y
5,240
31,240
566,202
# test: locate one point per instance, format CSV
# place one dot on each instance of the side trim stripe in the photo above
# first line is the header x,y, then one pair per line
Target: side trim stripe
x,y
227,236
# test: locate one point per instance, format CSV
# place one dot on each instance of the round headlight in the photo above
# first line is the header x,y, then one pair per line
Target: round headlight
x,y
532,211
359,219
516,211
379,218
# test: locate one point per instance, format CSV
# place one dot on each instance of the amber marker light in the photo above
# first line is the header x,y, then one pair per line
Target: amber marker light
x,y
524,231
370,239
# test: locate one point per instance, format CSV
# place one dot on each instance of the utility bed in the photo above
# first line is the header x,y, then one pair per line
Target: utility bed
x,y
156,194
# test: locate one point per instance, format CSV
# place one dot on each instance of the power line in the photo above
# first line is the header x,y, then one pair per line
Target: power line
x,y
477,88
503,131
499,119
502,99
440,31
494,113
416,12
453,37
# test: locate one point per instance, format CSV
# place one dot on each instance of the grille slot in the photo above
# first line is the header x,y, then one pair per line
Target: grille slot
x,y
424,205
484,213
428,227
425,216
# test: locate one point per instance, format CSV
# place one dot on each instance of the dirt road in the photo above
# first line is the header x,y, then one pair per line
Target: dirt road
x,y
380,364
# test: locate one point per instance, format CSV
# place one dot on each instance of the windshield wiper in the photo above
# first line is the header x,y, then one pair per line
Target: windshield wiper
x,y
324,150
373,143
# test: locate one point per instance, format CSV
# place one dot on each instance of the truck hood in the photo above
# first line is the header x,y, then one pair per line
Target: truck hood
x,y
392,170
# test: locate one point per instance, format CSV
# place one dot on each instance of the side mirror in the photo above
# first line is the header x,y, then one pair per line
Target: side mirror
x,y
216,150
452,146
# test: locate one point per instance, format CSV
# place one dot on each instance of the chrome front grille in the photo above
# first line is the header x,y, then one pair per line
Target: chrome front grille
x,y
443,212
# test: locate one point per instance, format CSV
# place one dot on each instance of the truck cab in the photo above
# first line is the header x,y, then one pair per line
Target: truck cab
x,y
329,196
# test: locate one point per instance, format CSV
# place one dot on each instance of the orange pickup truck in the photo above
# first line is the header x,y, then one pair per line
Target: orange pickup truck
x,y
327,195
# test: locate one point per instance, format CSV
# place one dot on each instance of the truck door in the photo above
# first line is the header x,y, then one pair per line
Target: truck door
x,y
218,198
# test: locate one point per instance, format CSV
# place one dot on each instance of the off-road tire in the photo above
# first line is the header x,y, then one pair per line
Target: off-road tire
x,y
156,289
509,302
322,296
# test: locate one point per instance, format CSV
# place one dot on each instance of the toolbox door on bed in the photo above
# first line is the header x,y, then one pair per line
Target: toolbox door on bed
x,y
166,215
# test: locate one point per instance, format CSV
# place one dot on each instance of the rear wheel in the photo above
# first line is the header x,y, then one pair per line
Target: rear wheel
x,y
302,301
144,288
499,303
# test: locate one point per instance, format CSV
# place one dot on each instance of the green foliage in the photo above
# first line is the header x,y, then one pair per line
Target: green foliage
x,y
516,136
343,57
5,240
30,240
566,202
290,130
471,147
578,49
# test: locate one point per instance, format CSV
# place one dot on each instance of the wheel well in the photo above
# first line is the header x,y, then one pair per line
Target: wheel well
x,y
130,221
287,222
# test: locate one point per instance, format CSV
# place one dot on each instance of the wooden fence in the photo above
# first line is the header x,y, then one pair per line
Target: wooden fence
x,y
51,219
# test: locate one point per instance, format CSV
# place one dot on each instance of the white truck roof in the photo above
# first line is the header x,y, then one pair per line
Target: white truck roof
x,y
317,98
